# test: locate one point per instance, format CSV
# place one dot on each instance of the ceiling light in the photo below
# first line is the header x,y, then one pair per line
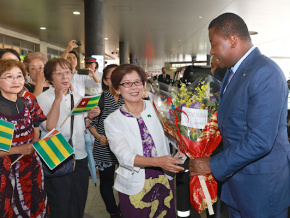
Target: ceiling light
x,y
106,38
43,28
200,17
76,13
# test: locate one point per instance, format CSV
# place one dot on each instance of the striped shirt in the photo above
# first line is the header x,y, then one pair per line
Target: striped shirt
x,y
103,153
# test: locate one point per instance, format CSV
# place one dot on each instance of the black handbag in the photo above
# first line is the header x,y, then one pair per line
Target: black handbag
x,y
68,165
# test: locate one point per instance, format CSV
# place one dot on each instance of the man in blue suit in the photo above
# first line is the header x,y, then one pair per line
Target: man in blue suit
x,y
255,162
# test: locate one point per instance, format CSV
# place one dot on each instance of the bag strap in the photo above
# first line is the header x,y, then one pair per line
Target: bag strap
x,y
72,116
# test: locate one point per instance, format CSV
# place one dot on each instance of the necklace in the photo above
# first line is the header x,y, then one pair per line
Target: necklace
x,y
17,107
126,109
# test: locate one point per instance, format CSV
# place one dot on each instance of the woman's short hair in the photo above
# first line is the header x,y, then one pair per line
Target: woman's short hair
x,y
106,70
124,69
32,56
8,64
10,50
50,67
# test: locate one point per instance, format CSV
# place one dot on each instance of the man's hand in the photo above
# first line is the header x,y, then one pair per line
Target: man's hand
x,y
199,166
71,45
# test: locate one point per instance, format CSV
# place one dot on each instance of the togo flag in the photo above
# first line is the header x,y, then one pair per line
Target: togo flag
x,y
85,104
29,95
6,135
53,149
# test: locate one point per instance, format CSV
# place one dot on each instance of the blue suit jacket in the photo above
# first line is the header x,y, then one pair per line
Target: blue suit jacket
x,y
255,162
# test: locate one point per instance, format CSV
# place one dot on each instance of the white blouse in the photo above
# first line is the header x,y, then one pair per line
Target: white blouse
x,y
45,101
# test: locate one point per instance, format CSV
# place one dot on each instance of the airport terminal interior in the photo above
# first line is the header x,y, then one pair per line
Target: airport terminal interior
x,y
151,34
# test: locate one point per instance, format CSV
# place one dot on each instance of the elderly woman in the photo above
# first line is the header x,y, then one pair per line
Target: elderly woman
x,y
34,65
66,194
22,187
137,138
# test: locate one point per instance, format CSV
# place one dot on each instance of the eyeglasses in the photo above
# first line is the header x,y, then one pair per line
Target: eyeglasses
x,y
63,72
130,84
19,78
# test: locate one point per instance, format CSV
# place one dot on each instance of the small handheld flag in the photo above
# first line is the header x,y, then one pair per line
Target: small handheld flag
x,y
53,149
85,104
28,95
6,135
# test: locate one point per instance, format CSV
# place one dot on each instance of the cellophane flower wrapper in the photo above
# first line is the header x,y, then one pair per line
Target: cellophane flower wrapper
x,y
194,143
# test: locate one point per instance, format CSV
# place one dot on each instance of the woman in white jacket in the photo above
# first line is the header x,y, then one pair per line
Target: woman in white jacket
x,y
137,139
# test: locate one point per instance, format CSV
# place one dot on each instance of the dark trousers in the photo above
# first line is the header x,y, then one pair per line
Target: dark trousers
x,y
106,189
67,194
80,186
58,191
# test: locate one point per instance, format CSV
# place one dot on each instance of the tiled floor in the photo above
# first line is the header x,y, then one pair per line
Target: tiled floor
x,y
95,206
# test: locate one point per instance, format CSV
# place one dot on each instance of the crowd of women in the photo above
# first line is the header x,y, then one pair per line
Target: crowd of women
x,y
126,130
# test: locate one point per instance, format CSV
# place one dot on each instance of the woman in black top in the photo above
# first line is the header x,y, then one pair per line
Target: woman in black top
x,y
104,158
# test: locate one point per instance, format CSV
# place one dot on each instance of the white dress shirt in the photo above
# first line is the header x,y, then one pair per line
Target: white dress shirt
x,y
80,82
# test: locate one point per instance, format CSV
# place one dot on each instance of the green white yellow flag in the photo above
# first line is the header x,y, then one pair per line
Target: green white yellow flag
x,y
53,148
85,104
6,135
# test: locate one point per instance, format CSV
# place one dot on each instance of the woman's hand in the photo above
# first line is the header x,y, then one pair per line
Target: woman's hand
x,y
94,112
26,149
40,78
168,163
103,140
60,91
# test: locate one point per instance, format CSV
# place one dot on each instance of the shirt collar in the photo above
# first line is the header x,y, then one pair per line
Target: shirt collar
x,y
235,68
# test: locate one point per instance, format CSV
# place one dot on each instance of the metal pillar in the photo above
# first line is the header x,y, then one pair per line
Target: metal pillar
x,y
94,27
124,52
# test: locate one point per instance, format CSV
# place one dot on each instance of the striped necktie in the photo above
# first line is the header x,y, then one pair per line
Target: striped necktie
x,y
230,77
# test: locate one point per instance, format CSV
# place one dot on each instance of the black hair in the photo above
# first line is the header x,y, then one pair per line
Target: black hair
x,y
11,50
229,24
105,73
74,52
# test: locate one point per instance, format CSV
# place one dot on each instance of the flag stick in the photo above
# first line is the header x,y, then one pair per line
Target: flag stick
x,y
64,121
17,160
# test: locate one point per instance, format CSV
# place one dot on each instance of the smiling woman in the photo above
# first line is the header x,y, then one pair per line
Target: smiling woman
x,y
137,139
23,189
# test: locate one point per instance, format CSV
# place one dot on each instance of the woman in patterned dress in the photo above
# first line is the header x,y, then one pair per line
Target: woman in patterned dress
x,y
22,188
137,139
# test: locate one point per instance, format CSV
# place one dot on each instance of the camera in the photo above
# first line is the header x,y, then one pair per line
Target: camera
x,y
83,71
79,43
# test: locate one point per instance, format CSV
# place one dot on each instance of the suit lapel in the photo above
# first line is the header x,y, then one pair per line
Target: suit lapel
x,y
236,82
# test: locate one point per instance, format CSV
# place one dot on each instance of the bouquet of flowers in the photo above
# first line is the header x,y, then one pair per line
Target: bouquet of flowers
x,y
191,118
